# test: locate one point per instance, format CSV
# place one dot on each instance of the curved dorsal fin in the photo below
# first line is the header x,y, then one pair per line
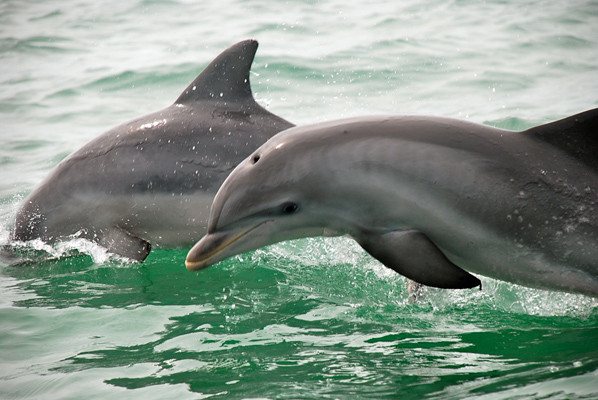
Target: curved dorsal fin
x,y
576,135
224,79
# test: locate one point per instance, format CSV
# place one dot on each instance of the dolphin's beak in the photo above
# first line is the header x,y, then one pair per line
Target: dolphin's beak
x,y
215,247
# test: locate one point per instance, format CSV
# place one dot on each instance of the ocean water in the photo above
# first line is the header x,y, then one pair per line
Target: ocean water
x,y
309,319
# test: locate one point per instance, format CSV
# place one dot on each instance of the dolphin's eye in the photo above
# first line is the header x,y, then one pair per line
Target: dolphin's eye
x,y
255,158
289,208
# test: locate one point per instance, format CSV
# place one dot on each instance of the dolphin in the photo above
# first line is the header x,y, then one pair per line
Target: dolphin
x,y
435,199
150,181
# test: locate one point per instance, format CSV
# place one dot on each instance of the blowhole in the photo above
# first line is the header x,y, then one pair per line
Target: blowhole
x,y
255,158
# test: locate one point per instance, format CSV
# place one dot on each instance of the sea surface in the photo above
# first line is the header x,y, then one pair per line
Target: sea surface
x,y
310,319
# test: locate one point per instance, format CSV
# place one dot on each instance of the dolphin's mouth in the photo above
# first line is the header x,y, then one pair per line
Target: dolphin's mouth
x,y
207,251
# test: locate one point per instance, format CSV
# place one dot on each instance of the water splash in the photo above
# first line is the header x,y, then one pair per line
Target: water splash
x,y
38,251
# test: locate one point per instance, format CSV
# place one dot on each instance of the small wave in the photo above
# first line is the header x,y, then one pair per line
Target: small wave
x,y
47,44
15,252
176,77
36,251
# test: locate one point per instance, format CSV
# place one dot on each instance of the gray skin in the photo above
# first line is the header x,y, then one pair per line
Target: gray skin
x,y
431,198
152,180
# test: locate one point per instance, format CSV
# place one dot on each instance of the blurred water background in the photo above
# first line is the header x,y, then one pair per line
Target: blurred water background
x,y
310,319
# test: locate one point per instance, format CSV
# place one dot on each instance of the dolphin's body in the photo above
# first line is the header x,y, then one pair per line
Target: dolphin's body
x,y
151,180
429,197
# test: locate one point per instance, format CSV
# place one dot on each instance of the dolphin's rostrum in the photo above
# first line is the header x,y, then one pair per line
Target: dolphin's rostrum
x,y
435,199
152,179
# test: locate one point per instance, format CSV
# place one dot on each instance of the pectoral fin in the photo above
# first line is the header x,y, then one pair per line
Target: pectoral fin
x,y
123,243
413,255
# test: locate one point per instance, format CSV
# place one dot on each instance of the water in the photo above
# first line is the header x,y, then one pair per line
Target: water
x,y
310,319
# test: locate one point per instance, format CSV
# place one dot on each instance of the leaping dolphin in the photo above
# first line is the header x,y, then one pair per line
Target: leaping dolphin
x,y
431,198
152,180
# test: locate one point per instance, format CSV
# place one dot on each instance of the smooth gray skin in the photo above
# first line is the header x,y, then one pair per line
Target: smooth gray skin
x,y
152,180
431,198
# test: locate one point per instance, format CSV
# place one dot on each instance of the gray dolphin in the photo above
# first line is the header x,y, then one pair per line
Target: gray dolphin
x,y
431,198
152,180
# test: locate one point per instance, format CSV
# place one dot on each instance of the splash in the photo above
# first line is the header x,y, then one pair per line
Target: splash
x,y
356,277
36,250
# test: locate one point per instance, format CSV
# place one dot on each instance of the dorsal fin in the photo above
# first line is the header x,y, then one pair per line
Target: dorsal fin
x,y
226,78
576,135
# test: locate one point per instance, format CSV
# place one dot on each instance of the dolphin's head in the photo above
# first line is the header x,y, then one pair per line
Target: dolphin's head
x,y
268,198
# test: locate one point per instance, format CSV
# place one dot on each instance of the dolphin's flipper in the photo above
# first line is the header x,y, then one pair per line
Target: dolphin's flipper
x,y
413,255
123,243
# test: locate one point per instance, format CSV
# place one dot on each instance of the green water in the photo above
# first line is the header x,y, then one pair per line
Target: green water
x,y
311,319
281,325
